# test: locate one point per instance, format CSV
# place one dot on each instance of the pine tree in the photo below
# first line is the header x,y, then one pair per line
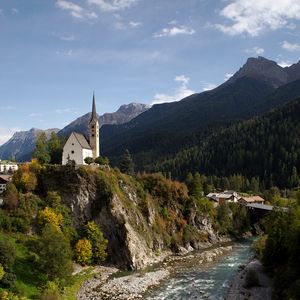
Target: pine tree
x,y
126,163
196,187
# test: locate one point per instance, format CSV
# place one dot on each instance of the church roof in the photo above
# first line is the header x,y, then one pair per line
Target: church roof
x,y
94,113
82,140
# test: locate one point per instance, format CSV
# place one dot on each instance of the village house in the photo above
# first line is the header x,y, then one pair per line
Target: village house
x,y
223,197
251,199
77,147
7,167
4,180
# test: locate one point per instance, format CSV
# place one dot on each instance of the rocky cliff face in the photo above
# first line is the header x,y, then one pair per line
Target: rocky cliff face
x,y
141,226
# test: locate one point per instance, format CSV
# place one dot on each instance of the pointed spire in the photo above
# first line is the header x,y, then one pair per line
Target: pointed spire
x,y
94,113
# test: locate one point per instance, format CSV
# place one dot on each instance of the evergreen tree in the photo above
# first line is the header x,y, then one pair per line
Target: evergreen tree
x,y
55,148
126,163
189,182
197,188
41,152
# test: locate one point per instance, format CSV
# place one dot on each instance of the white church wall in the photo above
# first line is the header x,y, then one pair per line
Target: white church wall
x,y
74,151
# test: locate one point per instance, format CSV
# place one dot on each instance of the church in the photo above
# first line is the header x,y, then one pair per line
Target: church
x,y
77,148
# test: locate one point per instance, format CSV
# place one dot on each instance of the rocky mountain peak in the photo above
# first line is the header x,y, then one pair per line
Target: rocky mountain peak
x,y
262,69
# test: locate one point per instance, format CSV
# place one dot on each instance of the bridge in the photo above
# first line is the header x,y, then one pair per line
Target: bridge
x,y
265,207
258,211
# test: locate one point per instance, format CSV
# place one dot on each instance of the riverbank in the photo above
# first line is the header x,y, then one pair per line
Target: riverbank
x,y
110,284
238,289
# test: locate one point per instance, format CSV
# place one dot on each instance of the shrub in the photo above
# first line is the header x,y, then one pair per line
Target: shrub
x,y
2,272
48,216
99,243
83,252
54,254
51,292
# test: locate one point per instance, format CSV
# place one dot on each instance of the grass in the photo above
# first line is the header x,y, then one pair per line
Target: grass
x,y
28,278
71,291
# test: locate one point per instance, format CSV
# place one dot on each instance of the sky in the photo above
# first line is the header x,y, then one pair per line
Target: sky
x,y
55,53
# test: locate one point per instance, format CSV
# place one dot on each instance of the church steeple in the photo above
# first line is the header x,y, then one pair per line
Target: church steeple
x,y
94,113
94,130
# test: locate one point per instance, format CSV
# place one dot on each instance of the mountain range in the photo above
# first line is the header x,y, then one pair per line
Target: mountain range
x,y
163,130
21,145
156,136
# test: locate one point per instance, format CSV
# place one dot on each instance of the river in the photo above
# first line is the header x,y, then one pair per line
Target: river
x,y
208,281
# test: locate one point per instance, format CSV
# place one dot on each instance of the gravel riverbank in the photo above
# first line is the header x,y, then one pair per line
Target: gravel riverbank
x,y
108,285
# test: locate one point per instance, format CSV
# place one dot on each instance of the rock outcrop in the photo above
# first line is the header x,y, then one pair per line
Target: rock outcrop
x,y
142,224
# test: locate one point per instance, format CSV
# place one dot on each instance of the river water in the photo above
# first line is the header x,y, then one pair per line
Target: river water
x,y
207,281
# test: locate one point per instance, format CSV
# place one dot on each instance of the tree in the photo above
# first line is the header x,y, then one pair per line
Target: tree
x,y
189,181
126,163
55,148
99,243
41,152
197,188
7,260
100,160
49,216
11,198
54,254
88,160
83,251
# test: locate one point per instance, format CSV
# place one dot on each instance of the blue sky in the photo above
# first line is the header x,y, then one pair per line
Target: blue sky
x,y
54,53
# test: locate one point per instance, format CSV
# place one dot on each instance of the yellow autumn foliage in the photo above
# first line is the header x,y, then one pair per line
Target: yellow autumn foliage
x,y
47,215
83,251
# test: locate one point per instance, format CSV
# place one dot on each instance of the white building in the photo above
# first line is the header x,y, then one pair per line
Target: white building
x,y
224,197
77,148
7,167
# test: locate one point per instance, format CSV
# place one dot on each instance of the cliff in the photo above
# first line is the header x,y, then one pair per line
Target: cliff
x,y
143,218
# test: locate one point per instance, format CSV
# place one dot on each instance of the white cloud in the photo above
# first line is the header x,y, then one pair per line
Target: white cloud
x,y
67,38
70,110
173,22
76,10
228,75
256,50
207,86
181,92
253,18
112,5
290,47
7,133
173,31
284,64
135,24
7,107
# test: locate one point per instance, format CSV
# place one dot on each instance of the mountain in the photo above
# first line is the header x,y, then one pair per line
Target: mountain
x,y
22,143
265,147
165,129
124,114
268,71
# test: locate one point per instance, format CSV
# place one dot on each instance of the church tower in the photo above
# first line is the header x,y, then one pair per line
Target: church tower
x,y
94,131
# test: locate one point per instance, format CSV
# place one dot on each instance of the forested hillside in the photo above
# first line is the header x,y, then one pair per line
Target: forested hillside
x,y
168,128
267,147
